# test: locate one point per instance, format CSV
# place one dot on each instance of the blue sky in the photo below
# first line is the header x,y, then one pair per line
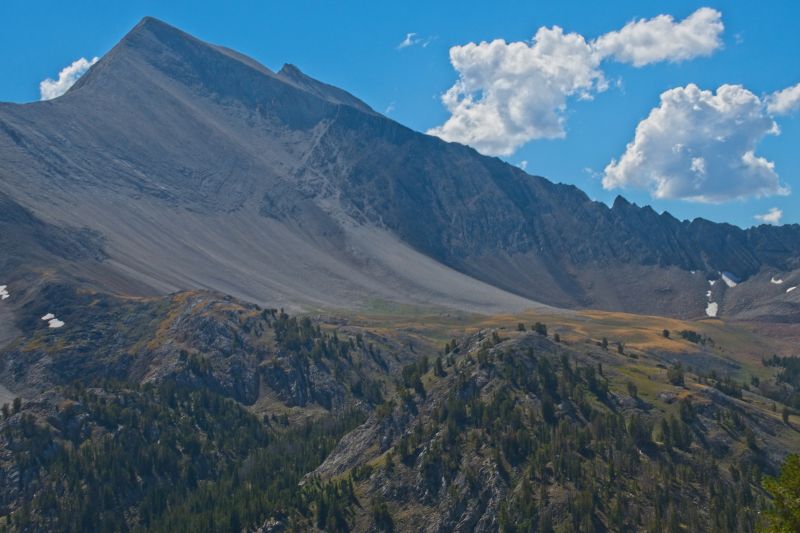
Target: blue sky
x,y
355,46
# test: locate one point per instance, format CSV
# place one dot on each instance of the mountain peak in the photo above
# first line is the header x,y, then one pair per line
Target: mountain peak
x,y
148,21
290,70
155,44
156,28
620,202
151,41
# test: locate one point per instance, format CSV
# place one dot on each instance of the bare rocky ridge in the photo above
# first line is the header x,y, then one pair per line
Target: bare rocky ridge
x,y
198,167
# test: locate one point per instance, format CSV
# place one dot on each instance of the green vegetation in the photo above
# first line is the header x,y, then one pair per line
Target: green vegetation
x,y
783,516
788,380
526,432
675,375
568,456
171,459
540,328
696,338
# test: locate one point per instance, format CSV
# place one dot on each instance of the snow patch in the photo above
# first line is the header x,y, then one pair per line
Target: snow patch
x,y
729,279
4,292
790,289
712,308
712,282
776,281
52,321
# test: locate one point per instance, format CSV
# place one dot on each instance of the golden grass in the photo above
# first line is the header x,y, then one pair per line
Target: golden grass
x,y
740,343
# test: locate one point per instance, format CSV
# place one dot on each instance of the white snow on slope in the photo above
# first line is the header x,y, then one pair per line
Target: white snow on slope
x,y
52,321
4,292
790,289
728,279
712,282
776,281
712,308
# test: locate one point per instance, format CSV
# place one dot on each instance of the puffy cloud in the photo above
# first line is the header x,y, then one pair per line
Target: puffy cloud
x,y
508,94
785,101
773,216
49,88
700,146
642,42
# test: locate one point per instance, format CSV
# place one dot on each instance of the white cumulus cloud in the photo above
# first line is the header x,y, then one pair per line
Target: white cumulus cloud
x,y
773,216
785,101
642,42
510,93
49,88
698,145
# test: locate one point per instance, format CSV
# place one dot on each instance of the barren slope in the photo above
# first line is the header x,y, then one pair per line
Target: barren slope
x,y
200,168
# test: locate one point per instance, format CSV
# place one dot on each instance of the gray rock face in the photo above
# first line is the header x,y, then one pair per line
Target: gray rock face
x,y
200,168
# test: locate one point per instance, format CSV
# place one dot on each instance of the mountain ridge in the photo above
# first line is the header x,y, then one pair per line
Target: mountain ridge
x,y
167,131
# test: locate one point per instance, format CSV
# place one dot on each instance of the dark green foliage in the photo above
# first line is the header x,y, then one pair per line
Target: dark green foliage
x,y
301,339
537,417
496,338
696,338
382,518
180,459
439,368
787,389
575,445
675,375
729,387
412,375
686,410
783,516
